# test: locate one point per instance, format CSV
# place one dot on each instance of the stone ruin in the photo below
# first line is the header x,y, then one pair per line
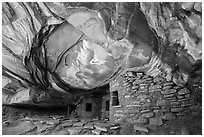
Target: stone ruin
x,y
142,99
54,53
137,98
94,107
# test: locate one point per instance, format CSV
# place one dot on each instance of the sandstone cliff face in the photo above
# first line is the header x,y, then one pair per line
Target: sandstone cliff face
x,y
151,37
179,27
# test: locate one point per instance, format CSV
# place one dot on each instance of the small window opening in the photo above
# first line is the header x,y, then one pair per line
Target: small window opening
x,y
89,107
107,105
115,100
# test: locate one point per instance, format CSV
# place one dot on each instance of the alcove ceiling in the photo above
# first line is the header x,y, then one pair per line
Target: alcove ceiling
x,y
76,48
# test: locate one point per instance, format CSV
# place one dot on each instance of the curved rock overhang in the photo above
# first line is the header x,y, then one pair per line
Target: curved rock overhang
x,y
130,36
81,54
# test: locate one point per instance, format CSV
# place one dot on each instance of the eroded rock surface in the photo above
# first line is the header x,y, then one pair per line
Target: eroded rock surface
x,y
120,30
55,53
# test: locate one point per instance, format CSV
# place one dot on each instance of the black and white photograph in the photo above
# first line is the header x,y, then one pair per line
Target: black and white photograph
x,y
101,68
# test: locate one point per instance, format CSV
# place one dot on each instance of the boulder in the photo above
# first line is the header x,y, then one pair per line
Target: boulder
x,y
96,131
63,125
101,126
198,6
21,128
155,121
21,97
78,124
168,116
42,127
74,130
60,132
52,121
140,128
89,126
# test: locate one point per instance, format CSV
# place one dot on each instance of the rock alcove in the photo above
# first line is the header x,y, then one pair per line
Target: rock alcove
x,y
68,54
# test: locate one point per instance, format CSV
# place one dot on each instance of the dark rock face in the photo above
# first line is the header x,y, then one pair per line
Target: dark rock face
x,y
45,47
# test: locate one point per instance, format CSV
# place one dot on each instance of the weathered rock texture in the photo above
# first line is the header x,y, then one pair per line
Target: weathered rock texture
x,y
154,38
178,26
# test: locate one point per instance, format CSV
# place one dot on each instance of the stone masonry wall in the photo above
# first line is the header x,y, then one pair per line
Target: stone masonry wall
x,y
104,111
147,100
95,110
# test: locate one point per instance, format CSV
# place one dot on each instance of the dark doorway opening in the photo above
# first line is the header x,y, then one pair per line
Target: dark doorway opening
x,y
115,100
107,105
89,107
71,109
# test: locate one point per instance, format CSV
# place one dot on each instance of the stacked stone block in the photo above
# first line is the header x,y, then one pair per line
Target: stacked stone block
x,y
148,100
